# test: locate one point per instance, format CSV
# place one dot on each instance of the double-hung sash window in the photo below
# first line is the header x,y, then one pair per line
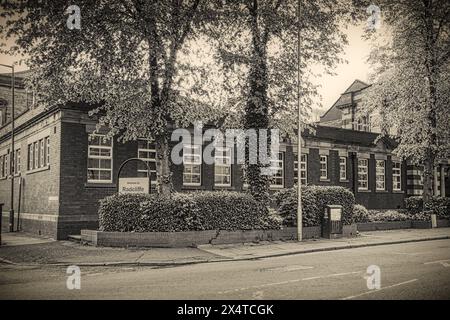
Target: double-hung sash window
x,y
303,169
380,175
222,167
100,151
323,167
397,176
147,152
277,167
363,174
343,168
192,165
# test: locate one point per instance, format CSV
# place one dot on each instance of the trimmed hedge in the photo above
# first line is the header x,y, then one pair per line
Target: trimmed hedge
x,y
387,216
437,205
184,212
314,200
360,214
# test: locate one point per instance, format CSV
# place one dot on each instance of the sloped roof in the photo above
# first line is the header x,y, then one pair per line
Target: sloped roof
x,y
348,136
345,98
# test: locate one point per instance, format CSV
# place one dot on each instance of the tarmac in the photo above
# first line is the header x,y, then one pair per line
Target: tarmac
x,y
30,250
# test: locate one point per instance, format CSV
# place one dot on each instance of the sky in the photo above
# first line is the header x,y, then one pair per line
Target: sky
x,y
356,53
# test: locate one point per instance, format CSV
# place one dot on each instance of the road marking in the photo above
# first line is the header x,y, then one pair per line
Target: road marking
x,y
287,282
445,263
288,268
410,254
378,290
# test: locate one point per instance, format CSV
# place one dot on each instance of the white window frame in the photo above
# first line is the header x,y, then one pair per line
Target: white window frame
x,y
36,154
323,163
303,169
396,174
277,168
188,163
380,171
110,157
30,155
222,160
42,155
16,161
47,148
342,169
148,160
366,173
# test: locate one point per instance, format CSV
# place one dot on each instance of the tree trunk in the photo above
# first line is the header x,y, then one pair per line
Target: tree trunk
x,y
428,177
256,109
164,174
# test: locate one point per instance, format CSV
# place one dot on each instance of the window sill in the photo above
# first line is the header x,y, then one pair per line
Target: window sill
x,y
38,170
381,191
344,180
364,191
99,185
324,180
224,188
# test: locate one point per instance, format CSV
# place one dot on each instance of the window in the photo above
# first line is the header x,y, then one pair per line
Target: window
x,y
323,167
47,141
222,167
397,176
342,168
30,156
3,165
16,162
42,155
363,178
6,160
36,155
380,175
278,171
147,152
303,170
99,159
192,163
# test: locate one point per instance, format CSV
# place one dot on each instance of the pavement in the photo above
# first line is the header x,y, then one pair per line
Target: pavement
x,y
413,270
29,250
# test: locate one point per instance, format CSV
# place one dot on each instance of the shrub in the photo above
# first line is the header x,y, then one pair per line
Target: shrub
x,y
389,215
314,200
360,213
184,212
120,212
437,205
414,204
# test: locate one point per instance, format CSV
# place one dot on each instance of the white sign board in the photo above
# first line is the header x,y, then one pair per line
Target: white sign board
x,y
335,214
133,185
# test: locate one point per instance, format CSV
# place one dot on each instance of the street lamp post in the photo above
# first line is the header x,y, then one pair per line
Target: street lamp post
x,y
12,155
299,136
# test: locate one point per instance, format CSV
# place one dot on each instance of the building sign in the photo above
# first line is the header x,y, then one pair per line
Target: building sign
x,y
134,185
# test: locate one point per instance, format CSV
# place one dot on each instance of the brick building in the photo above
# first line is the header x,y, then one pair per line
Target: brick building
x,y
62,170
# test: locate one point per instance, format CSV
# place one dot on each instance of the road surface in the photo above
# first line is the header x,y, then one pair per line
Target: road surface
x,y
408,271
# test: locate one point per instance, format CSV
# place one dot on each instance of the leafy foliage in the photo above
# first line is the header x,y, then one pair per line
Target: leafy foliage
x,y
360,213
437,205
184,212
314,200
411,89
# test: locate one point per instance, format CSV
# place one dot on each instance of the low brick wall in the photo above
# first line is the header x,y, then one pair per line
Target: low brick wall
x,y
393,225
384,225
443,223
194,238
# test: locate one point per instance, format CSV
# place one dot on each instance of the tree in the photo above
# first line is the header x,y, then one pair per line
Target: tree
x,y
257,49
412,80
125,59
